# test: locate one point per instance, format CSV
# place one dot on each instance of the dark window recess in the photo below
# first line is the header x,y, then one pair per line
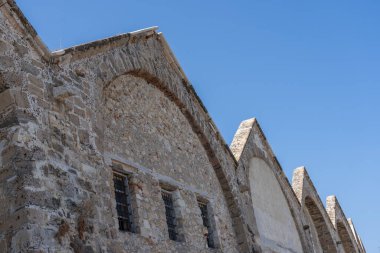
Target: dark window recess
x,y
123,202
170,215
206,223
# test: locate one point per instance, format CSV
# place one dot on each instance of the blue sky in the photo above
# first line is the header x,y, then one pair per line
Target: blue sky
x,y
308,70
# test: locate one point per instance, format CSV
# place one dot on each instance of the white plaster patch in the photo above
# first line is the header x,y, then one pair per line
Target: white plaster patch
x,y
274,220
258,142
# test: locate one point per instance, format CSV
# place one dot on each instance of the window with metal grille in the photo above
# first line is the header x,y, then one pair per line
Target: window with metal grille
x,y
123,202
170,214
206,223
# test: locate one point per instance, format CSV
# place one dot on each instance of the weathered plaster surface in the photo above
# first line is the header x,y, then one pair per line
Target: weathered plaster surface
x,y
274,220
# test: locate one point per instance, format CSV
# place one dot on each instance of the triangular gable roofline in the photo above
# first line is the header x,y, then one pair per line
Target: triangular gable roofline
x,y
16,17
219,154
249,142
298,187
357,237
300,177
239,148
240,143
337,215
309,197
333,204
242,135
301,172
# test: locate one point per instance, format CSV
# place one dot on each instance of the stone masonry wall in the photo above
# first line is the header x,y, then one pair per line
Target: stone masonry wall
x,y
65,186
21,140
315,229
69,119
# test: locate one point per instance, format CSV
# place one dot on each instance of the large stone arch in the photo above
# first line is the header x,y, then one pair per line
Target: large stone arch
x,y
198,130
344,236
142,113
275,222
342,226
324,235
312,205
160,85
146,54
250,143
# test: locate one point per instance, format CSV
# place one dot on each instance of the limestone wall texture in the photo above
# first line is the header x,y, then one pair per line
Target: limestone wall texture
x,y
71,119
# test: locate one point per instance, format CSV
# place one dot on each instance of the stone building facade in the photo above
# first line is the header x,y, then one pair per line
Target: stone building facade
x,y
105,147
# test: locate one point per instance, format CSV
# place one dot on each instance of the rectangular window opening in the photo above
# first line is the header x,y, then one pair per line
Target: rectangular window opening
x,y
206,222
123,202
170,214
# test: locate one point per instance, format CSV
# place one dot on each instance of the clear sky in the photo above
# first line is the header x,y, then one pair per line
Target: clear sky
x,y
308,70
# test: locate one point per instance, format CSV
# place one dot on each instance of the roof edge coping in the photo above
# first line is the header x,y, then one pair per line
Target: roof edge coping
x,y
18,19
103,42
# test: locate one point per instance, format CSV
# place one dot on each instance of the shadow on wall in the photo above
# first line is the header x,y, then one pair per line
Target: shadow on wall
x,y
345,238
324,236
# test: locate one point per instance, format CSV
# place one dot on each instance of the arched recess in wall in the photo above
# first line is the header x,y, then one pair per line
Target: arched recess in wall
x,y
196,129
325,239
345,238
277,229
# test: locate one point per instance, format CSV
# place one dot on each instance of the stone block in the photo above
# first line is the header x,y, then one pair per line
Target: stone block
x,y
74,119
79,112
6,99
6,62
64,91
30,68
36,91
21,99
4,46
20,49
36,81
